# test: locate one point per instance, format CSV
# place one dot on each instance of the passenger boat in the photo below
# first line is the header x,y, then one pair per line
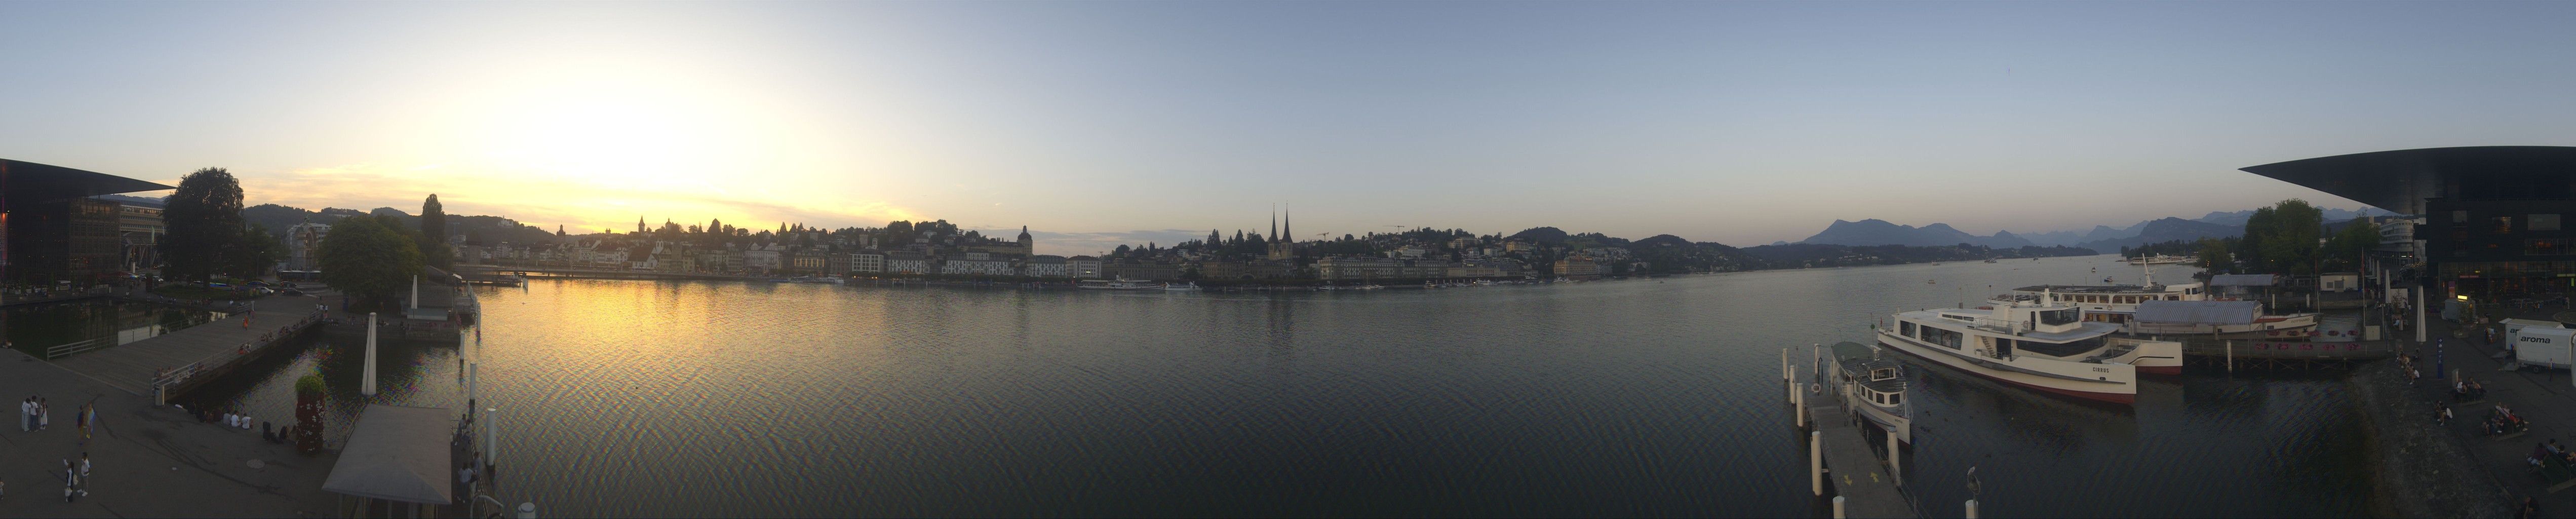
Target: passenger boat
x,y
1117,284
1181,287
2159,260
2030,342
1873,385
823,280
2118,304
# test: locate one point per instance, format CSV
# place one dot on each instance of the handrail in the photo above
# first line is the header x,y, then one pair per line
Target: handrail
x,y
67,349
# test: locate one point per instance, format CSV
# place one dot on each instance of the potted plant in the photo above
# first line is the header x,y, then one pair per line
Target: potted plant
x,y
309,394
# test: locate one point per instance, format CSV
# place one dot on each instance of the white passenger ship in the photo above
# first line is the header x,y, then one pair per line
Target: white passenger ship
x,y
1874,386
1117,284
2029,342
2117,304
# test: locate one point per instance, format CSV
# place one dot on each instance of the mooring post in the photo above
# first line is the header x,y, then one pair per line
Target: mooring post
x,y
1798,399
2231,356
1972,509
1894,470
1838,507
367,384
1816,463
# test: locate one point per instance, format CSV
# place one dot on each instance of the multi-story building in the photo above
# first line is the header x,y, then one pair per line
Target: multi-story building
x,y
868,262
2492,217
806,260
907,262
1045,266
1143,270
763,259
138,227
304,245
984,267
1358,268
1084,267
1578,267
837,264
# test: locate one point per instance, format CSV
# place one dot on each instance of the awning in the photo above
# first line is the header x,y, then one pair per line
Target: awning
x,y
2241,280
2199,312
397,453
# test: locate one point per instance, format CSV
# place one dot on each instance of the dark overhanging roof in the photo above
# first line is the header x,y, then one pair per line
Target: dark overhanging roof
x,y
2400,180
28,182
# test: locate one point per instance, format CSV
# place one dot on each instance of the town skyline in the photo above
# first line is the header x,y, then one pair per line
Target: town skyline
x,y
1735,123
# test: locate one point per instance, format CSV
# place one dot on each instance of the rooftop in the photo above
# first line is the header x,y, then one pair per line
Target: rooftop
x,y
2400,180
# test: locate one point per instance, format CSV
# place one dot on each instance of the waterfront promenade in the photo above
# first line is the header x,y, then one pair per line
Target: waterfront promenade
x,y
2544,398
207,349
147,461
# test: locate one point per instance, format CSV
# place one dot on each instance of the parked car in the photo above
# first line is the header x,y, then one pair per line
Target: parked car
x,y
292,292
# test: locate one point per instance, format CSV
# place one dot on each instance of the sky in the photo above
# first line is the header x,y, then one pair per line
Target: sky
x,y
1098,123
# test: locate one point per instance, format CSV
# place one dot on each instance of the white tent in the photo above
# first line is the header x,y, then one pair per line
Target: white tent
x,y
398,453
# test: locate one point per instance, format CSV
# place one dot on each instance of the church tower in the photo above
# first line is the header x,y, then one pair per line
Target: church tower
x,y
1028,247
1282,245
639,225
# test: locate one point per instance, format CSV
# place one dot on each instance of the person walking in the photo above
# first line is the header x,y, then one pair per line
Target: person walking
x,y
44,415
84,474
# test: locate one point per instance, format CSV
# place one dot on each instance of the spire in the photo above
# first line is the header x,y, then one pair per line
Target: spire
x,y
1286,233
1274,222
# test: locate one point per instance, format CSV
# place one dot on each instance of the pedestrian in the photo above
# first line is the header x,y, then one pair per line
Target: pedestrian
x,y
84,474
27,414
44,414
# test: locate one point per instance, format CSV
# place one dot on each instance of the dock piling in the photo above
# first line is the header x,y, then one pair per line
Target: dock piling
x,y
1816,463
1838,507
367,385
1894,471
1972,509
2231,356
1798,401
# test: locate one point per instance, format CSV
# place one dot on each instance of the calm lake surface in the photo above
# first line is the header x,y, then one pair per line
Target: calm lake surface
x,y
1626,398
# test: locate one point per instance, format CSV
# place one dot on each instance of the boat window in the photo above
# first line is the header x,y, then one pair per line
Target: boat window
x,y
2003,348
2068,350
1882,374
2057,317
1905,328
1895,398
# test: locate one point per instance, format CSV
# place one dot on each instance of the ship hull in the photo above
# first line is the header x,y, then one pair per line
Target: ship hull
x,y
2122,391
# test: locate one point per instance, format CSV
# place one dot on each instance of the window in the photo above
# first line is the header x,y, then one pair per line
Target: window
x,y
2541,222
1895,398
2056,317
1905,329
2500,225
2548,247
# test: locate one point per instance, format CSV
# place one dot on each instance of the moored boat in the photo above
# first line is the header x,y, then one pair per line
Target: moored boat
x,y
2028,341
1181,287
1117,284
1875,386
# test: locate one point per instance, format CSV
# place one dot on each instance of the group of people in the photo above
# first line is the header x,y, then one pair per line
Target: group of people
x,y
2468,391
76,479
34,414
2550,450
2406,366
2501,421
239,420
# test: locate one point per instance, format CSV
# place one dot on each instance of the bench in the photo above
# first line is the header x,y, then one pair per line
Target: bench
x,y
2555,471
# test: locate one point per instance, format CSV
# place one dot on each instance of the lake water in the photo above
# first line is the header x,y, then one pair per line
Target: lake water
x,y
1627,398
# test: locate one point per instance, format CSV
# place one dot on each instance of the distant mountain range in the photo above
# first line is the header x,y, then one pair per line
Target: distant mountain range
x,y
2100,237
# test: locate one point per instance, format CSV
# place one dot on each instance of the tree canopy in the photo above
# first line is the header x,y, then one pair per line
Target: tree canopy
x,y
433,231
204,230
370,257
2283,238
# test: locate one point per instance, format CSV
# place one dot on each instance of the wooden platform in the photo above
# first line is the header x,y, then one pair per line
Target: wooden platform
x,y
1855,471
210,348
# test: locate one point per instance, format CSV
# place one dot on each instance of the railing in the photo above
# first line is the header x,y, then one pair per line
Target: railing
x,y
73,348
2000,325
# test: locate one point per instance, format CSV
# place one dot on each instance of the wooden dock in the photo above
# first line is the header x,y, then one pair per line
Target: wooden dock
x,y
1855,473
179,360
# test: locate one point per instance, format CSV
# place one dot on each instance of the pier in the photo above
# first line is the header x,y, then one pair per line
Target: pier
x,y
1843,468
166,365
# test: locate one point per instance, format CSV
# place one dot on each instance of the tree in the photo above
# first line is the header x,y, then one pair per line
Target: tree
x,y
367,258
2214,257
2283,238
257,251
433,232
2343,250
204,224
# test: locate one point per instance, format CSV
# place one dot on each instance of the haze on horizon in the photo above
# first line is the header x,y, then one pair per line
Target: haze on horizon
x,y
1094,123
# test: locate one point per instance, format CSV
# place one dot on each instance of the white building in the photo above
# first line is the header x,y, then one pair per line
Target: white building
x,y
907,262
1085,267
1046,266
867,262
762,259
989,267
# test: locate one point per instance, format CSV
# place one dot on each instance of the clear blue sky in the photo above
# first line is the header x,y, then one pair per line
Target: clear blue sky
x,y
1739,122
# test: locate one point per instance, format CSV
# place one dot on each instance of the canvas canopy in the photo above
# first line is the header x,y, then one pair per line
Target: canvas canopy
x,y
2241,280
2198,312
397,453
